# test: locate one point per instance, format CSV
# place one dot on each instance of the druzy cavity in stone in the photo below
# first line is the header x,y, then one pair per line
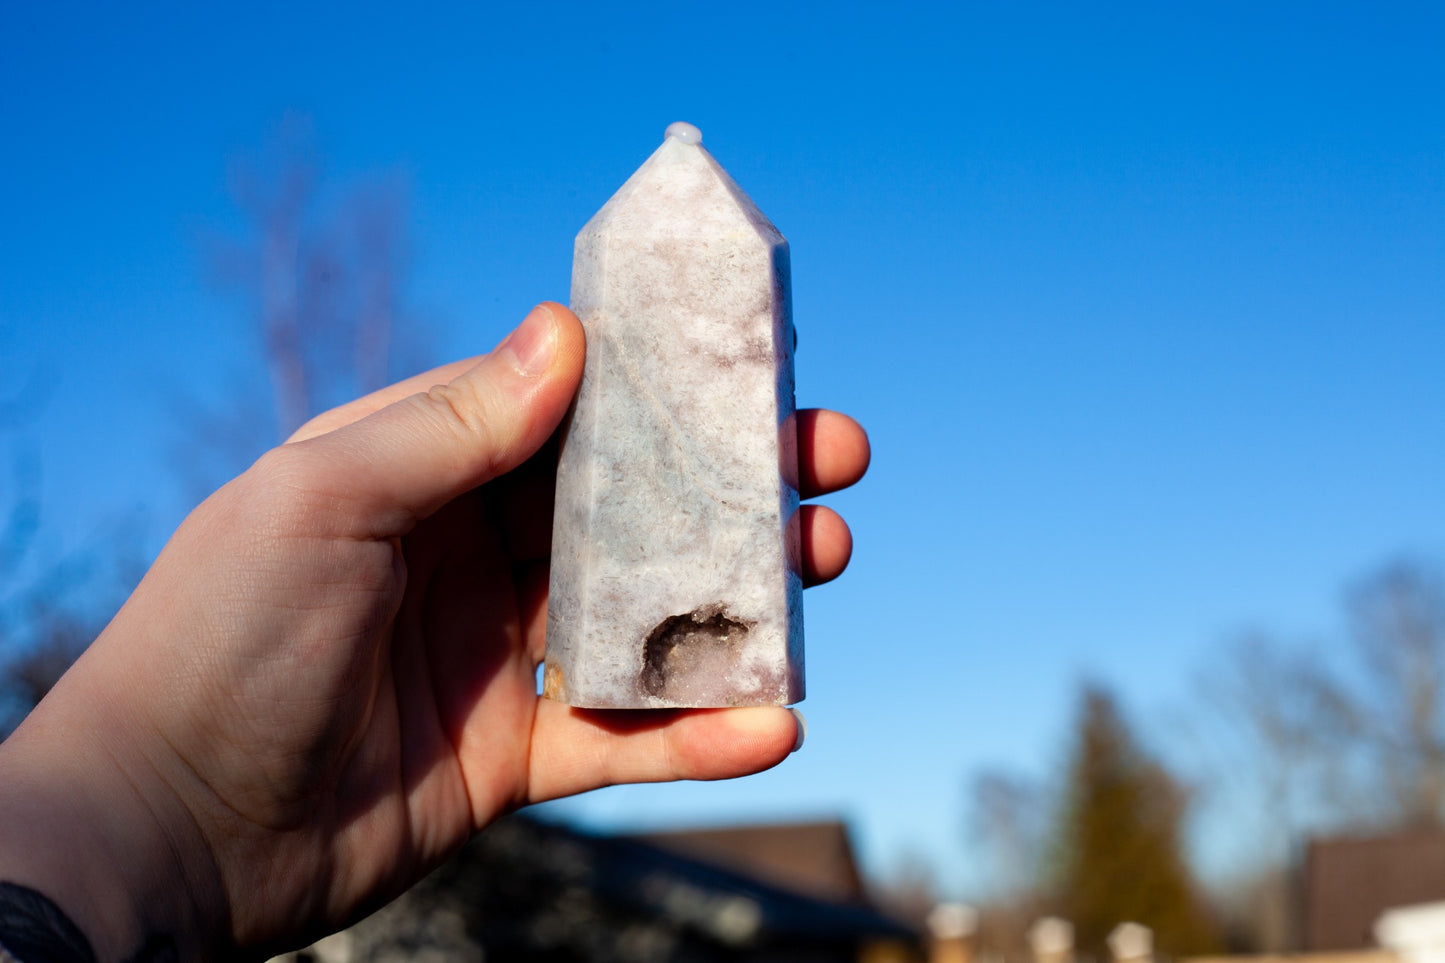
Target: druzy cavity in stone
x,y
675,542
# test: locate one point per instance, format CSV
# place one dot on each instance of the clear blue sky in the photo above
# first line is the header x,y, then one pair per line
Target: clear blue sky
x,y
1144,307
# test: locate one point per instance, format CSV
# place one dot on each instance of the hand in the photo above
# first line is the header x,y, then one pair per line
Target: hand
x,y
327,681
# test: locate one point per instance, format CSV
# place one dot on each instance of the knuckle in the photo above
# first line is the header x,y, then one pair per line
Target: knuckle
x,y
669,765
456,405
279,492
316,425
462,412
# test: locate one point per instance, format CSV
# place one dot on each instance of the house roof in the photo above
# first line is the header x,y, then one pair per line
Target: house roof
x,y
814,858
657,879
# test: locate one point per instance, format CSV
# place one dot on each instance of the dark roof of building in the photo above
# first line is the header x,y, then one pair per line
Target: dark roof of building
x,y
815,858
1349,881
644,873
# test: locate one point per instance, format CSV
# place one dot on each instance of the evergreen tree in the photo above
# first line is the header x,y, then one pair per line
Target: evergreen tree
x,y
1118,849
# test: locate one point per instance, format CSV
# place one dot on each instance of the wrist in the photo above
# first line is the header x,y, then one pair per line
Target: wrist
x,y
93,832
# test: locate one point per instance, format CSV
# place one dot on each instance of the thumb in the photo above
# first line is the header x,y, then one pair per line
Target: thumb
x,y
403,462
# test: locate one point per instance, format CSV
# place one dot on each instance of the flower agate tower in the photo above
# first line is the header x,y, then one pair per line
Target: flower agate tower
x,y
675,541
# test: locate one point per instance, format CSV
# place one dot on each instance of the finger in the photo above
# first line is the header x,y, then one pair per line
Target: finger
x,y
833,451
576,750
352,411
403,462
827,544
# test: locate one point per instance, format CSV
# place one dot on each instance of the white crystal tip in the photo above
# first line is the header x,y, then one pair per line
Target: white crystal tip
x,y
684,132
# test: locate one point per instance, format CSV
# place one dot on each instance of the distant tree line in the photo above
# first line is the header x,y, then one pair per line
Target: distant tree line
x,y
1294,738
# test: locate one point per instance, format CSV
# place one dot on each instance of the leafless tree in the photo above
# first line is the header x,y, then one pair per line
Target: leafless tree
x,y
1273,712
1309,736
908,890
1009,825
1397,626
1352,740
51,602
319,274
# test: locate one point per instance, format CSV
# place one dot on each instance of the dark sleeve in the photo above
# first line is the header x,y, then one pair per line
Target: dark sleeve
x,y
34,930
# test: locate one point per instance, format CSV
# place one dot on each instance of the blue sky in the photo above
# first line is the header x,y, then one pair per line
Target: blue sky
x,y
1144,307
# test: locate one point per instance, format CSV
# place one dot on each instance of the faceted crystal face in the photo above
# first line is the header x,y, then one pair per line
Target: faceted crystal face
x,y
675,554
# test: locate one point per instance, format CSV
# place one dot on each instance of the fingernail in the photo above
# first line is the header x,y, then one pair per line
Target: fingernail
x,y
533,344
802,728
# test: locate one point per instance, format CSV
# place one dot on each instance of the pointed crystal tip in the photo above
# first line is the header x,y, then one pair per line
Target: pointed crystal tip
x,y
684,132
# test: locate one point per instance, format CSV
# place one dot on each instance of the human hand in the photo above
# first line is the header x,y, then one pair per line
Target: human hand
x,y
327,682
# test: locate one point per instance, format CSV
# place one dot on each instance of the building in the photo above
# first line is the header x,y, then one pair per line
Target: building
x,y
531,890
1347,882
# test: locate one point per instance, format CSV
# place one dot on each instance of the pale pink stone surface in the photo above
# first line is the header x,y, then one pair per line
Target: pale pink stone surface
x,y
675,546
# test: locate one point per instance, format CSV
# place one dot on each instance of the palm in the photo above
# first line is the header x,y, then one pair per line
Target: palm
x,y
455,692
466,643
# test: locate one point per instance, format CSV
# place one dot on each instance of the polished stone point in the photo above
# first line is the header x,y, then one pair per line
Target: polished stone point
x,y
676,550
